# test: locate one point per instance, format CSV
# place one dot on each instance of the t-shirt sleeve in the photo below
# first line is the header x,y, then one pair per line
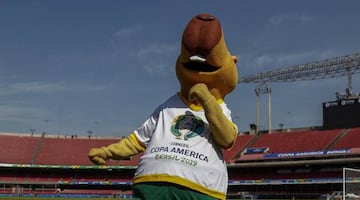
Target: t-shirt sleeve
x,y
145,131
227,113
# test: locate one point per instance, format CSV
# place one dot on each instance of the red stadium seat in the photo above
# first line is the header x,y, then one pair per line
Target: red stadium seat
x,y
17,149
350,140
68,151
239,145
299,141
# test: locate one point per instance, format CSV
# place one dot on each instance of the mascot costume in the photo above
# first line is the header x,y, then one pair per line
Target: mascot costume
x,y
182,140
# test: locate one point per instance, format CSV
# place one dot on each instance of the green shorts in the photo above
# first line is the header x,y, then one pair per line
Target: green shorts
x,y
166,191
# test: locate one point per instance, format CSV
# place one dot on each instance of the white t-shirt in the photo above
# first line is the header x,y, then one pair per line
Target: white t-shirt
x,y
181,150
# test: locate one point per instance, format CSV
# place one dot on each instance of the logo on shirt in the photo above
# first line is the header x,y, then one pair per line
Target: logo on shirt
x,y
187,126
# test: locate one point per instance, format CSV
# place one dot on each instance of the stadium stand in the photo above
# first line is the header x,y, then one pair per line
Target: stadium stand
x,y
350,139
52,150
240,144
67,151
258,164
308,140
19,148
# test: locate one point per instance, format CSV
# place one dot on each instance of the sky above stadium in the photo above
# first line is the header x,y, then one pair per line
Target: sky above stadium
x,y
69,67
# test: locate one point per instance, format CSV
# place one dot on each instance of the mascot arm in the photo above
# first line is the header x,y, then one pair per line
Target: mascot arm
x,y
222,129
123,149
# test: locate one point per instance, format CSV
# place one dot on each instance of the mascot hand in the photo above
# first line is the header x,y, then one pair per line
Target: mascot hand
x,y
200,93
222,129
124,149
98,156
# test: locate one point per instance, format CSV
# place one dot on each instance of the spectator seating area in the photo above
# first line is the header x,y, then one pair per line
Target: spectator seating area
x,y
301,142
59,165
312,140
239,145
50,150
350,140
17,148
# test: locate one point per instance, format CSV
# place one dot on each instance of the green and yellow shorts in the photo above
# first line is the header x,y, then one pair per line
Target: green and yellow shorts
x,y
166,191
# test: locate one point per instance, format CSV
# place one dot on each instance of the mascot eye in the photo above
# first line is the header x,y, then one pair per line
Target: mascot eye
x,y
199,66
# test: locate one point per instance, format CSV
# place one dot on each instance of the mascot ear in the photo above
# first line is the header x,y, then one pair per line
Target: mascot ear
x,y
235,59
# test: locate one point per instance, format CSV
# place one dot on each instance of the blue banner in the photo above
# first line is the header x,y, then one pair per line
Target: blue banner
x,y
307,153
256,150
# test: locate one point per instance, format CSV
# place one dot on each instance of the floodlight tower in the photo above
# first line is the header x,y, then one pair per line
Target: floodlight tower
x,y
263,88
322,69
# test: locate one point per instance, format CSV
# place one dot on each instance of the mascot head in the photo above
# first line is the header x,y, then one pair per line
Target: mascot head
x,y
204,58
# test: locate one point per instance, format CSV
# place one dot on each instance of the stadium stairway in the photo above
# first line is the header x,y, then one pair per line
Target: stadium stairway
x,y
337,138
